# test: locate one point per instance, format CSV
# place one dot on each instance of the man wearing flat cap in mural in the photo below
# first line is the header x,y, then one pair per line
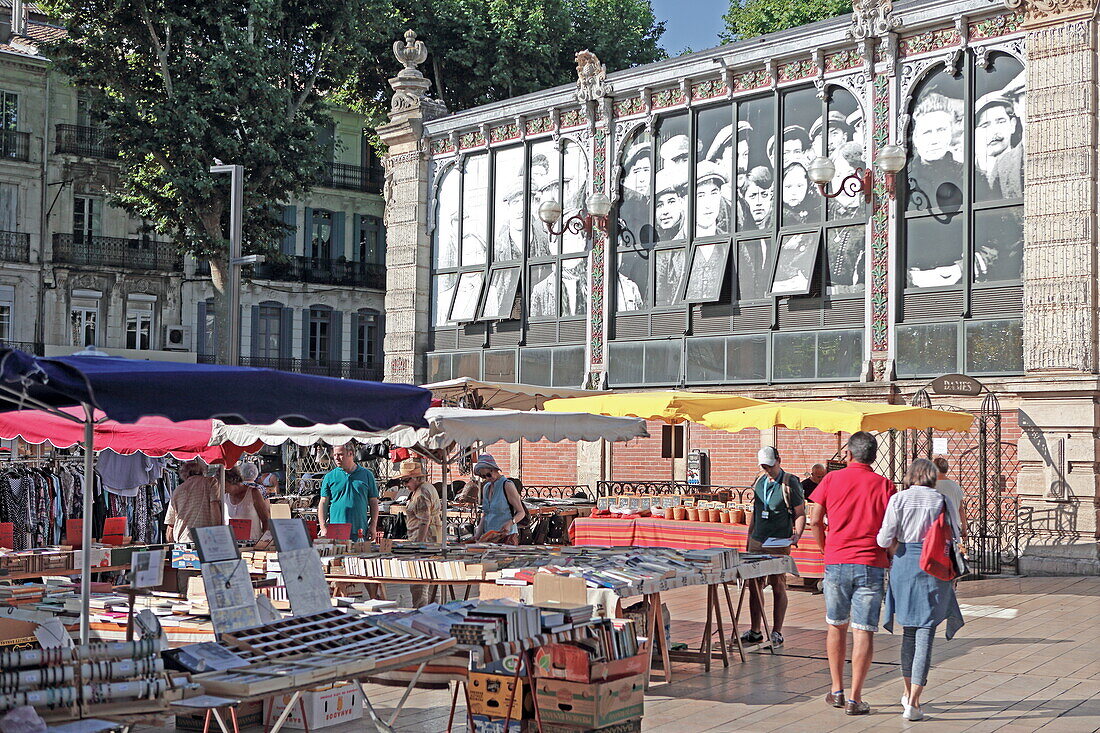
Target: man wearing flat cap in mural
x,y
670,205
998,146
711,211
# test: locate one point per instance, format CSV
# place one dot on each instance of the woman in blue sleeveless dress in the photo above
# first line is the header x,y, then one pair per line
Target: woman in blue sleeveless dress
x,y
501,507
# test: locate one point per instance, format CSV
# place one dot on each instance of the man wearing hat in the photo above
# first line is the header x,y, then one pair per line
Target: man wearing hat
x,y
508,243
674,156
839,132
501,508
423,518
711,210
670,205
776,524
998,148
634,208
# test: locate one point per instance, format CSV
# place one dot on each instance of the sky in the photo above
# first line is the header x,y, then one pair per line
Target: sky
x,y
690,23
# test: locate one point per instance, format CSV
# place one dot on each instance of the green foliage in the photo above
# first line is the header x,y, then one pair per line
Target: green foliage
x,y
179,83
752,18
484,51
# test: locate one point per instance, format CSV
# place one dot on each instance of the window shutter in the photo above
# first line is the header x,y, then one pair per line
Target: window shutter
x,y
338,239
305,334
200,328
290,216
255,348
336,329
380,339
286,333
307,233
380,241
356,246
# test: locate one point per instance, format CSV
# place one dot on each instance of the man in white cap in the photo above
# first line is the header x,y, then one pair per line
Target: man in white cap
x,y
998,149
670,206
776,524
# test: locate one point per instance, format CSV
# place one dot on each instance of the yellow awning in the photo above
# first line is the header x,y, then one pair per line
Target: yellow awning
x,y
835,416
671,407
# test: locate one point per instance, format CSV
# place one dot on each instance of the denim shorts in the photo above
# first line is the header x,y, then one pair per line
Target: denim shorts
x,y
853,594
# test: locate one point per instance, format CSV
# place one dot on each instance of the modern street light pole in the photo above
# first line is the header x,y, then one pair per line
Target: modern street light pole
x,y
236,261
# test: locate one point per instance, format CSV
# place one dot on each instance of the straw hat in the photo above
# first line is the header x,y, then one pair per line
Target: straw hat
x,y
410,469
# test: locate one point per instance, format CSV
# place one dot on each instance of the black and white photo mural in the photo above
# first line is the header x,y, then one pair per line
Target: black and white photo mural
x,y
508,210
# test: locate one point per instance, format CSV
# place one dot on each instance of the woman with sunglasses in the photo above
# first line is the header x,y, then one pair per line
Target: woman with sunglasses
x,y
501,507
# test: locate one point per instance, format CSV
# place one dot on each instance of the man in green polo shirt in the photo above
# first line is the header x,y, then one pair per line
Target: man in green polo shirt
x,y
349,495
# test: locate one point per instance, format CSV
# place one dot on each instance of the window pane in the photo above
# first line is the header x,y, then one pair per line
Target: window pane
x,y
753,263
936,134
5,322
847,148
574,191
706,360
998,244
321,246
467,365
662,362
708,270
793,355
927,349
794,271
545,186
544,292
625,363
933,252
475,209
499,366
636,186
439,367
994,347
755,165
632,291
464,307
999,129
508,214
443,287
845,254
568,367
839,354
535,366
446,222
747,358
501,295
574,286
801,122
714,161
670,270
672,178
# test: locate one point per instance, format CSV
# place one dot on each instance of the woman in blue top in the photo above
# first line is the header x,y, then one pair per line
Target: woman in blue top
x,y
501,507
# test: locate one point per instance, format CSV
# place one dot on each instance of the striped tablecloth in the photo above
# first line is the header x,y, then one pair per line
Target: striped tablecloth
x,y
681,535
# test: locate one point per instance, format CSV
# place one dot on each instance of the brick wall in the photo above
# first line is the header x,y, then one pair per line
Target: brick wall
x,y
732,455
549,464
640,459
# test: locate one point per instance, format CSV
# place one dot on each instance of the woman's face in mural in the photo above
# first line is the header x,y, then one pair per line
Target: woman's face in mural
x,y
795,186
932,134
708,202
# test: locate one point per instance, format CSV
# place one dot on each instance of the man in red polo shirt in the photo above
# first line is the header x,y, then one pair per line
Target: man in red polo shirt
x,y
853,502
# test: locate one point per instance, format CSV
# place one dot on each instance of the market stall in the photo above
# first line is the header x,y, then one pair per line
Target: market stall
x,y
476,394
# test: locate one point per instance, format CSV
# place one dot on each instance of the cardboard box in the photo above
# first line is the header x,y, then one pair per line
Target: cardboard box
x,y
590,705
324,707
572,663
505,665
630,726
489,695
489,724
250,716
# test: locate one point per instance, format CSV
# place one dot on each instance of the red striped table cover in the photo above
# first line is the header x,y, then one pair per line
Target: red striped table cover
x,y
683,535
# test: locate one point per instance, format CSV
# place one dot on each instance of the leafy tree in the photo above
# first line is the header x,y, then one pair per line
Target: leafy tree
x,y
750,18
180,83
484,51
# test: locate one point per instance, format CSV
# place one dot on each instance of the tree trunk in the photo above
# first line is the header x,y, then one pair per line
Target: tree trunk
x,y
219,277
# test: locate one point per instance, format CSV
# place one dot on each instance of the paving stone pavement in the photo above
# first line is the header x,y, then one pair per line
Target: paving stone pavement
x,y
1028,659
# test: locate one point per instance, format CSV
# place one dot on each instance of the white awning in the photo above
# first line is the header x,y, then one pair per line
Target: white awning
x,y
447,426
501,395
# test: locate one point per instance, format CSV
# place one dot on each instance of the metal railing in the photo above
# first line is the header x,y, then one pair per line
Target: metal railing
x,y
740,494
322,271
15,247
325,368
84,140
351,177
15,145
31,347
132,254
560,491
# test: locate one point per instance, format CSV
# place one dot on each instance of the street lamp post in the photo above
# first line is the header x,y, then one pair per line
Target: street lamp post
x,y
236,261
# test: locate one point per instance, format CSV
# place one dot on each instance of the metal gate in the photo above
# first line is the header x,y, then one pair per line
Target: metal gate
x,y
983,464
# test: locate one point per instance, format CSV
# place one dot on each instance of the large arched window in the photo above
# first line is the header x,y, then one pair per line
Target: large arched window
x,y
962,232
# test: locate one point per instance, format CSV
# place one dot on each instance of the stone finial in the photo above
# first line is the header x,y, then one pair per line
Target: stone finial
x,y
410,87
591,77
872,18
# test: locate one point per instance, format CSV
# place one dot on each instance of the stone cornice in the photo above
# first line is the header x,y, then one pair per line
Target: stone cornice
x,y
1044,13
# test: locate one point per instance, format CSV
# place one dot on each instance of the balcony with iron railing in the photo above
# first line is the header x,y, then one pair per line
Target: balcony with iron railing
x,y
351,177
84,140
320,367
15,247
15,145
317,270
131,254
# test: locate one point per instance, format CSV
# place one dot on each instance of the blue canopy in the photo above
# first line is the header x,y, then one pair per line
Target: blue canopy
x,y
128,389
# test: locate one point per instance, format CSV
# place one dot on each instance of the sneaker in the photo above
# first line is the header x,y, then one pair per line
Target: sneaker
x,y
857,707
777,639
752,637
905,701
836,699
912,713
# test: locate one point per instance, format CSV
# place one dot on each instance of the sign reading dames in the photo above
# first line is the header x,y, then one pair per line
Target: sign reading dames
x,y
956,384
